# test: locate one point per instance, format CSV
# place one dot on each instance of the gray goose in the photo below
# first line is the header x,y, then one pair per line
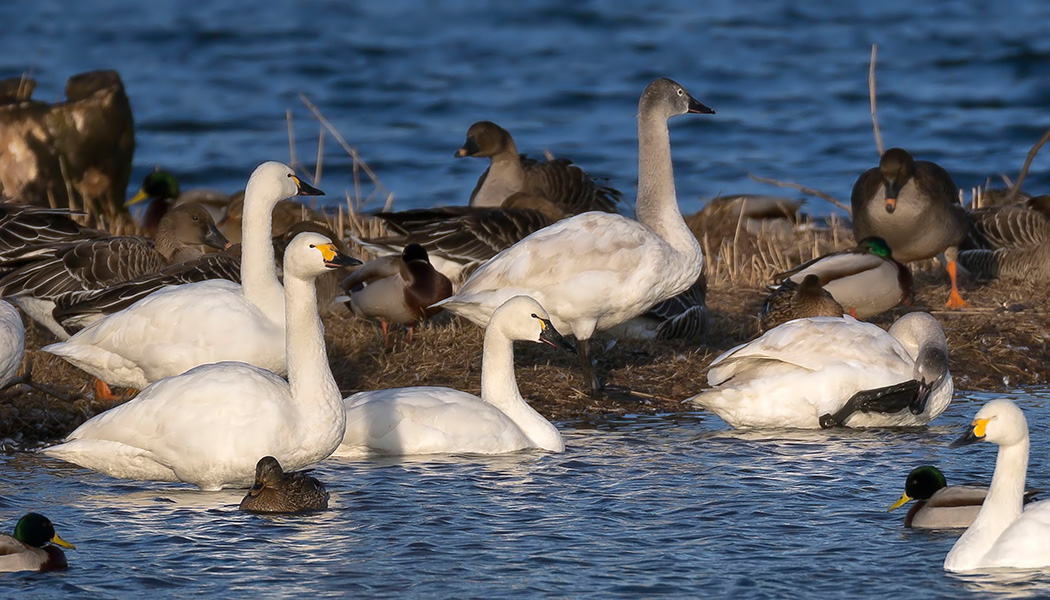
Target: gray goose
x,y
1013,242
99,263
565,185
914,206
23,227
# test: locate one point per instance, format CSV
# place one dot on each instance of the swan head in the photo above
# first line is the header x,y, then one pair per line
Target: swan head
x,y
523,318
999,422
272,182
931,368
917,330
485,139
311,254
667,98
922,483
36,530
897,167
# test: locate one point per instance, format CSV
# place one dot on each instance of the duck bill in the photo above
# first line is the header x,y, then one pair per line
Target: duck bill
x,y
695,106
139,197
305,189
551,336
58,541
470,148
904,499
216,239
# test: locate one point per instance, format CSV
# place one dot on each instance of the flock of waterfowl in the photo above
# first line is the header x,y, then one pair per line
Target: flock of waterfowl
x,y
228,350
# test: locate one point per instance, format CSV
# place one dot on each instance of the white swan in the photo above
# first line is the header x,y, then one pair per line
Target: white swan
x,y
597,270
12,342
180,327
435,420
807,369
212,424
1002,535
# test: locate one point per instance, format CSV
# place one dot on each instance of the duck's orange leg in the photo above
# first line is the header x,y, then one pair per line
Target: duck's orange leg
x,y
954,299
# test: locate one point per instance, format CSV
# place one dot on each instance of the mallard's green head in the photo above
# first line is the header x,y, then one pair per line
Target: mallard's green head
x,y
922,483
158,184
877,246
35,530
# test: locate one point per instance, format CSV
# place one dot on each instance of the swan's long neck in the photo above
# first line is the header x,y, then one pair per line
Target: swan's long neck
x,y
309,375
500,389
657,204
1002,506
258,273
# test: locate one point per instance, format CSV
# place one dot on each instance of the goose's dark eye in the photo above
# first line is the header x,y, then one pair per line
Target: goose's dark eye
x,y
680,92
196,218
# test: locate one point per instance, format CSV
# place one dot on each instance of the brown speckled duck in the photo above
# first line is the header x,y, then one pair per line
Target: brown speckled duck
x,y
275,491
914,206
798,300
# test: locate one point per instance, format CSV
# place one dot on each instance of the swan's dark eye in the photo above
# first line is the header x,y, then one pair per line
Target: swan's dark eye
x,y
312,246
534,316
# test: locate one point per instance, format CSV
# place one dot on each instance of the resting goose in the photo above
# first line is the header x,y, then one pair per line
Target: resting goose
x,y
25,228
914,206
209,425
833,371
597,270
12,342
177,328
33,547
95,264
436,420
1004,534
798,301
865,280
277,491
1014,240
397,289
557,180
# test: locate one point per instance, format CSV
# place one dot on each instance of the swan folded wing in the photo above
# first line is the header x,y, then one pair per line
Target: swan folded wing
x,y
812,344
1024,543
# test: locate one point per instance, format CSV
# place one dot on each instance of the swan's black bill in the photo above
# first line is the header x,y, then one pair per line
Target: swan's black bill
x,y
695,106
334,259
550,335
305,189
970,437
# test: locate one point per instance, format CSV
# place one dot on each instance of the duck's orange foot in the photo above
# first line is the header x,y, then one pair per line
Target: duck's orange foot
x,y
103,393
956,301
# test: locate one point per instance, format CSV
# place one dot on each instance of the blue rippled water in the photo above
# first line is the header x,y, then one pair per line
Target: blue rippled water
x,y
668,506
964,84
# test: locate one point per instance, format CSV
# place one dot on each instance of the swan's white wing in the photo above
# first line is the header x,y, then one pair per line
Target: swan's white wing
x,y
810,344
1026,542
426,420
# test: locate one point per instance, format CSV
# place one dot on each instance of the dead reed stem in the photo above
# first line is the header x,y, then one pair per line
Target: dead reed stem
x,y
805,190
1027,163
871,100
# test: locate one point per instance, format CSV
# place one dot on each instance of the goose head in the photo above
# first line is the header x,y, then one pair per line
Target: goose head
x,y
272,182
309,255
896,167
999,422
159,184
666,98
486,139
922,483
522,318
192,225
36,530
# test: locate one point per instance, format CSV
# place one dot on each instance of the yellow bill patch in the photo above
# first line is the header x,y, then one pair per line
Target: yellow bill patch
x,y
979,426
328,251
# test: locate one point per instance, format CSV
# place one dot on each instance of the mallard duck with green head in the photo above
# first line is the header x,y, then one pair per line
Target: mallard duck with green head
x,y
33,547
939,505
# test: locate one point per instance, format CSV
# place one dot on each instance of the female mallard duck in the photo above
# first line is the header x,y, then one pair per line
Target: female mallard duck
x,y
938,505
276,491
557,180
98,263
798,301
30,548
12,342
828,371
436,420
914,206
397,289
597,270
209,425
865,279
177,328
1004,534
